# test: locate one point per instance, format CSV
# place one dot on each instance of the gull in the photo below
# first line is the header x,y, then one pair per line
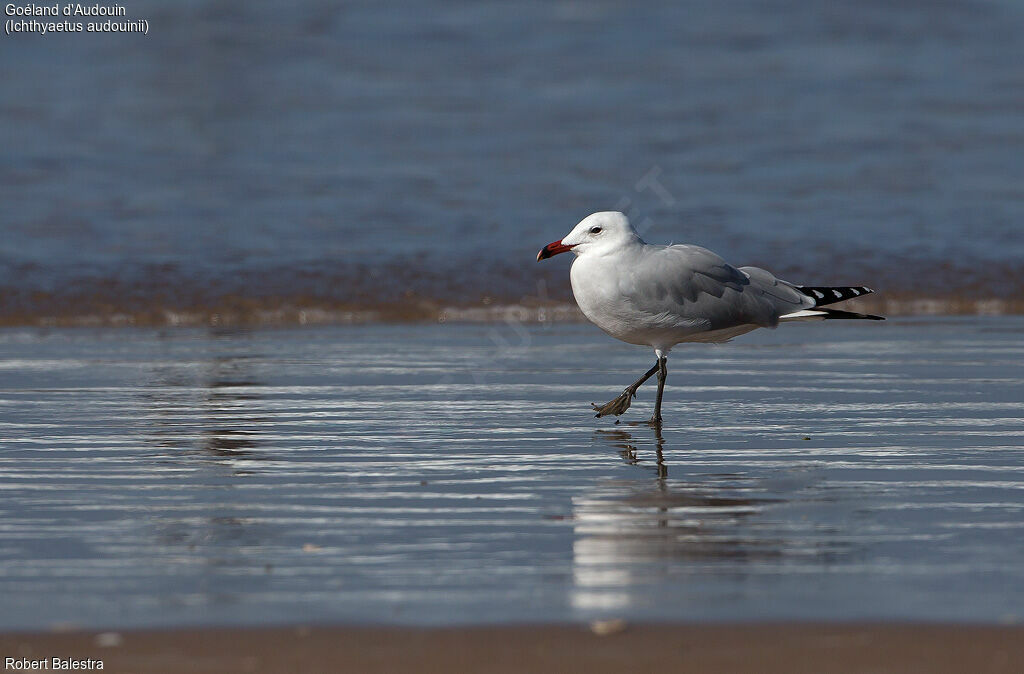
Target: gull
x,y
660,296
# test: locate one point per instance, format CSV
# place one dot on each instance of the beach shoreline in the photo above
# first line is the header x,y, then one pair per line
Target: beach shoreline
x,y
262,314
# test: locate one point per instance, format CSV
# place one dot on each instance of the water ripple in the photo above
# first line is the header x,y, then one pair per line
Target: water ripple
x,y
429,475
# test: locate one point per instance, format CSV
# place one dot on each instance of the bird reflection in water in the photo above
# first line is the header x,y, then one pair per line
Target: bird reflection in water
x,y
230,394
208,404
623,441
635,533
203,401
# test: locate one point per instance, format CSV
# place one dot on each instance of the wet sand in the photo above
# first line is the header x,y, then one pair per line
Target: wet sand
x,y
813,522
788,648
380,475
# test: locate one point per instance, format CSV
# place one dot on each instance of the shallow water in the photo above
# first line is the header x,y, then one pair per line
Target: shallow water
x,y
452,474
323,154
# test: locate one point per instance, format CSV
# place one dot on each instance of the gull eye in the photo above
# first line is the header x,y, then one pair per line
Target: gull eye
x,y
595,230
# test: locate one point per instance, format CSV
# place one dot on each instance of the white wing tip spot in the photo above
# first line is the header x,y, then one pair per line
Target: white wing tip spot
x,y
837,293
817,294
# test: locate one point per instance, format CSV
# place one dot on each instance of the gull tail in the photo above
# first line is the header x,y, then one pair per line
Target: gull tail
x,y
817,314
823,295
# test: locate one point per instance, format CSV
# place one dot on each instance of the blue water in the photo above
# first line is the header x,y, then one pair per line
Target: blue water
x,y
445,474
283,154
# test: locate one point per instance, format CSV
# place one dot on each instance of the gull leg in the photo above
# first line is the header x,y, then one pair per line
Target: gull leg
x,y
621,404
662,376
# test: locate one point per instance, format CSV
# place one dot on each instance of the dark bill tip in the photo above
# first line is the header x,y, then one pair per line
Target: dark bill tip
x,y
552,249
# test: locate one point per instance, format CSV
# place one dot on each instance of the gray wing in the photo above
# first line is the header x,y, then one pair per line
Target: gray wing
x,y
699,289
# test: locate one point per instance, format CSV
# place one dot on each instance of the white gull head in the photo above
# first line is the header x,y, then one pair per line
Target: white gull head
x,y
597,234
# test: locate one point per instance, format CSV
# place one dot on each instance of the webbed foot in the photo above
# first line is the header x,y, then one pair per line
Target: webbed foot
x,y
617,406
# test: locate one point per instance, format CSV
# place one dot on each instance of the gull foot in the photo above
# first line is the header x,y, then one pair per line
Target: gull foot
x,y
617,406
